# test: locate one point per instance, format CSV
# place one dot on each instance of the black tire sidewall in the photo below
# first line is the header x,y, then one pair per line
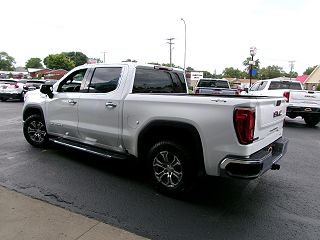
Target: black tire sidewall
x,y
31,118
187,167
311,122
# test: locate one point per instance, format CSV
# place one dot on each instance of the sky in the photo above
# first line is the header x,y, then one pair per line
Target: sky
x,y
219,33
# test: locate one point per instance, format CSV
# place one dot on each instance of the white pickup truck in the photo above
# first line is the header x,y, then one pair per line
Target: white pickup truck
x,y
213,86
143,111
303,103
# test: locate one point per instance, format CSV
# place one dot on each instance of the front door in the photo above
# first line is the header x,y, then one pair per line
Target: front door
x,y
62,109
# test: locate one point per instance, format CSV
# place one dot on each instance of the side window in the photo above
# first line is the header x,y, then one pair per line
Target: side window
x,y
105,79
178,87
262,85
152,81
183,81
72,82
255,87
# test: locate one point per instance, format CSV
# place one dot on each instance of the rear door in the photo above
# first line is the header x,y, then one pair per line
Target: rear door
x,y
100,107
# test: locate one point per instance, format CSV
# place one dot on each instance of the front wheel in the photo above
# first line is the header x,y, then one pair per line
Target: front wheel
x,y
35,132
170,167
311,121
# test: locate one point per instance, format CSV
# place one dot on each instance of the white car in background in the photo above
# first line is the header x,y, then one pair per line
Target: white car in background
x,y
303,103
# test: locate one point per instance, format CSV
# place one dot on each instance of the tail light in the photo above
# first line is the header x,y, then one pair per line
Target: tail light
x,y
286,95
197,91
16,86
244,121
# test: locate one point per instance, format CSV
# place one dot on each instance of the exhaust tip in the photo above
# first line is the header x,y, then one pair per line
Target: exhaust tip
x,y
275,166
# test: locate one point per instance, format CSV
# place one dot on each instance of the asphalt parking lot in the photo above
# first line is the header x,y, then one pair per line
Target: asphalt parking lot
x,y
281,204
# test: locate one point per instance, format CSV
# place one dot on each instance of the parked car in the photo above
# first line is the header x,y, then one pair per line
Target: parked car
x,y
137,111
214,87
11,89
303,103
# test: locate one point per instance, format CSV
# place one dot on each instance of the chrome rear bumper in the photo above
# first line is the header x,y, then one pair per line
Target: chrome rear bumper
x,y
256,164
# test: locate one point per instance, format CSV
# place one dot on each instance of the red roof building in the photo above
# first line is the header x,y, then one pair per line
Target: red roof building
x,y
302,79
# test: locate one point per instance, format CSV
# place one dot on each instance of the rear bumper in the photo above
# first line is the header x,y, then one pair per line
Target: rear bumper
x,y
256,164
301,111
10,95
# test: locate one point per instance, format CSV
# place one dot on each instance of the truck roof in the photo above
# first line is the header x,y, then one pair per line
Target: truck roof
x,y
130,64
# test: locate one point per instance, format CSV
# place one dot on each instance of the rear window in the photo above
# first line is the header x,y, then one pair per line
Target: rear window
x,y
213,83
158,81
274,85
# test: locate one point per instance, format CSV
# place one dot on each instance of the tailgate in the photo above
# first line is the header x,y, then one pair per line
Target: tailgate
x,y
306,98
270,114
217,91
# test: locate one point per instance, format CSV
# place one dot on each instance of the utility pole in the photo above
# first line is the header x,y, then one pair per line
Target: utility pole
x,y
170,48
104,57
185,43
291,64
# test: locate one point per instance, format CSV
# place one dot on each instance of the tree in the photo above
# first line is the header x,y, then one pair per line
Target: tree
x,y
78,58
318,87
129,60
34,63
189,69
256,64
273,71
309,70
58,61
292,75
231,72
6,62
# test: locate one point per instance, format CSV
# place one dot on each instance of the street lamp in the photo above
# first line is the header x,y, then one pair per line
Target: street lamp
x,y
185,43
253,51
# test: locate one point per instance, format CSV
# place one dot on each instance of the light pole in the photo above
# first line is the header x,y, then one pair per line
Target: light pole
x,y
253,51
104,57
185,43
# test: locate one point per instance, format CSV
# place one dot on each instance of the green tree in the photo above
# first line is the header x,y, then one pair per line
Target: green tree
x,y
292,75
256,64
58,61
231,72
129,60
189,69
273,71
34,63
6,62
78,58
309,70
318,87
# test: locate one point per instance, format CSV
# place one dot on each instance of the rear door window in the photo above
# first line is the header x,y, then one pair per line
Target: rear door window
x,y
153,81
105,79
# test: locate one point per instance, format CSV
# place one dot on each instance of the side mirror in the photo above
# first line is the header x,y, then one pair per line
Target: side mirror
x,y
246,89
47,89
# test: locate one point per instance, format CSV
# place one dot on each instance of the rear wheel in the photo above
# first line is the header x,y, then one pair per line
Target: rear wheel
x,y
311,121
3,99
170,167
35,132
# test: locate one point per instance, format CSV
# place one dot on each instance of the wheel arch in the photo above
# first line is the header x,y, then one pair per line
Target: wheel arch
x,y
180,132
30,110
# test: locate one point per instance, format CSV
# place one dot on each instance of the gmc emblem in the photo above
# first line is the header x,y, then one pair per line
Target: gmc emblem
x,y
277,113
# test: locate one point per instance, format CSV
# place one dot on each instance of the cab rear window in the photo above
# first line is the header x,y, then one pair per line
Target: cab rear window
x,y
275,85
213,83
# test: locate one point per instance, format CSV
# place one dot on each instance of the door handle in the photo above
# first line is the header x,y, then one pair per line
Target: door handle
x,y
71,101
110,105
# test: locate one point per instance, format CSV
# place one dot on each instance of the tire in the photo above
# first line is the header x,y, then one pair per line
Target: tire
x,y
170,168
22,97
311,121
35,132
3,99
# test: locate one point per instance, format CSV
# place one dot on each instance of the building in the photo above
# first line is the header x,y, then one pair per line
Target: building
x,y
55,74
313,79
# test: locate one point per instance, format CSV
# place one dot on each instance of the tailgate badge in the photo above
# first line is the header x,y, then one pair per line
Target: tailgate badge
x,y
277,113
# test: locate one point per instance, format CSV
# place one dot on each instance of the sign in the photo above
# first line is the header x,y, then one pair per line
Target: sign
x,y
196,76
92,61
253,72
